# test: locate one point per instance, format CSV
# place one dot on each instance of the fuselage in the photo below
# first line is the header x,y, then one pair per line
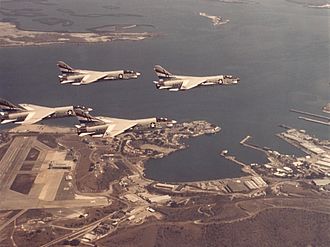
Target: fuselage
x,y
100,125
77,75
13,117
175,82
145,121
92,130
58,112
112,75
18,116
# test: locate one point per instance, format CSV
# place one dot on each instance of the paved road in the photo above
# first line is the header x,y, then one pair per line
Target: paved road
x,y
12,219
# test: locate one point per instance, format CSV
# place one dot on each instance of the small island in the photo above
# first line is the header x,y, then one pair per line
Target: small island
x,y
216,20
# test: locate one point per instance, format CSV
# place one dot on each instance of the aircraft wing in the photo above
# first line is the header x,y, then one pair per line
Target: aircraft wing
x,y
191,83
119,126
36,113
93,77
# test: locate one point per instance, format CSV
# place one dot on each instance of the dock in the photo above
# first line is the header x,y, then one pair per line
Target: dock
x,y
284,126
310,114
255,147
314,121
245,168
244,140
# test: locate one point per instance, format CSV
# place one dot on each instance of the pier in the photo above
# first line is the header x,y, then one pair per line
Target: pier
x,y
314,121
244,140
310,114
255,147
245,168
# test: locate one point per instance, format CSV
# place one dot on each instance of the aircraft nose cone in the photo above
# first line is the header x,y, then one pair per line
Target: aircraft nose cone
x,y
138,73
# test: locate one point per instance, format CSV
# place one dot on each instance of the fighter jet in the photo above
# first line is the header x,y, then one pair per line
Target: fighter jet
x,y
110,127
180,82
81,77
30,114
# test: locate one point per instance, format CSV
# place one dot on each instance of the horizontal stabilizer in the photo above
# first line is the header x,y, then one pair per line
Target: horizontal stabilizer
x,y
7,121
5,105
86,134
67,81
166,87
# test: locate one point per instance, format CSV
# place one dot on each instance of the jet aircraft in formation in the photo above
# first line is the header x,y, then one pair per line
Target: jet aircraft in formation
x,y
110,127
103,126
181,82
166,80
89,125
81,77
30,114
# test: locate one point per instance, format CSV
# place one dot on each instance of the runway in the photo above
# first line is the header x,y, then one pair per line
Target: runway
x,y
13,159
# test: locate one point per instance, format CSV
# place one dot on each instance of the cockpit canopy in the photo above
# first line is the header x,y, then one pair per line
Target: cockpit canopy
x,y
129,72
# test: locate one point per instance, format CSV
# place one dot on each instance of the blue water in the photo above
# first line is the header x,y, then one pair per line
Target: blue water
x,y
280,50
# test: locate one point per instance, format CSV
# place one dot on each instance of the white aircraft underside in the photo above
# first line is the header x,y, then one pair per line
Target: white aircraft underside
x,y
112,126
30,114
82,77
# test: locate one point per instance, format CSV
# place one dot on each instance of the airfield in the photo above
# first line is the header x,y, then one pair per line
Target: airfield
x,y
35,175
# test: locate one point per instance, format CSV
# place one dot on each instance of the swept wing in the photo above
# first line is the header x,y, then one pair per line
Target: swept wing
x,y
191,83
36,113
93,77
118,126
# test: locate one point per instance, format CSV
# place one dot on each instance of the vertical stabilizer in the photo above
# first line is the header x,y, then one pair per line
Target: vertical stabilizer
x,y
5,105
64,68
161,72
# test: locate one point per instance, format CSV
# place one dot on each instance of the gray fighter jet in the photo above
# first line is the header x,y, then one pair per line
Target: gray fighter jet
x,y
81,77
180,82
110,127
30,114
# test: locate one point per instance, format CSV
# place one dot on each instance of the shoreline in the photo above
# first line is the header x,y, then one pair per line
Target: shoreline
x,y
12,36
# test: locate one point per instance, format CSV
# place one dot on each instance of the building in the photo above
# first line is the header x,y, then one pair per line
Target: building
x,y
165,186
236,186
321,182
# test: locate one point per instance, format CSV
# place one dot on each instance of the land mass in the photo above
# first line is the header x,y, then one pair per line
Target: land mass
x,y
12,36
60,189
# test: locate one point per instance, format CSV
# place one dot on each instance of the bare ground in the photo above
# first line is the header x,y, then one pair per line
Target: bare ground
x,y
272,227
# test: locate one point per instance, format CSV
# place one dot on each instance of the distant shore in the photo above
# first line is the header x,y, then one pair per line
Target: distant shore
x,y
12,36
